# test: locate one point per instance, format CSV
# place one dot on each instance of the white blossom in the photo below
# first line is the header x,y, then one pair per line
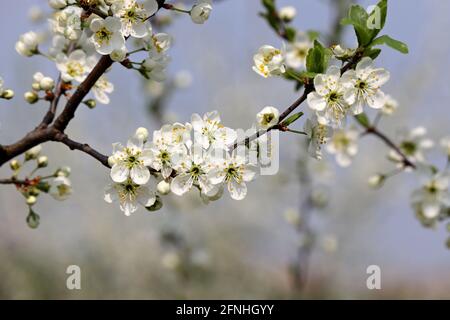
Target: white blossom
x,y
131,162
101,89
133,16
267,117
390,106
344,145
201,11
107,35
68,22
318,135
413,144
209,131
445,144
297,52
129,195
363,86
75,66
269,61
328,100
433,196
61,188
193,170
233,171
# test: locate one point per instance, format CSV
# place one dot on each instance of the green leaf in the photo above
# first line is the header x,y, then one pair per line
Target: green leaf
x,y
269,5
43,186
394,44
377,18
363,120
372,53
317,59
292,119
357,17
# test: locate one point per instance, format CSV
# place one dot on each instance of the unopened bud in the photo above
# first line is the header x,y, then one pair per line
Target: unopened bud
x,y
376,181
141,134
42,161
163,187
36,86
47,84
157,205
8,94
14,165
91,103
31,97
33,153
31,200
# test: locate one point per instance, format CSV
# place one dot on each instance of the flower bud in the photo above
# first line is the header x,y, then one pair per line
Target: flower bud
x,y
63,172
91,103
57,4
287,13
47,84
8,94
163,187
156,206
33,219
33,153
200,12
14,165
376,181
36,86
42,161
31,97
141,134
31,200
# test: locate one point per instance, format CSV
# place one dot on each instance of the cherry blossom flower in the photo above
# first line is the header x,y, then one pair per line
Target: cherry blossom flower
x,y
269,61
344,146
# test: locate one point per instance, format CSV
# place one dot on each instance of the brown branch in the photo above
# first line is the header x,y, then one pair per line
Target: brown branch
x,y
13,181
84,147
374,131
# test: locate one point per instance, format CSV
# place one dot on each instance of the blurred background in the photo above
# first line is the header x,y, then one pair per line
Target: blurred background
x,y
230,249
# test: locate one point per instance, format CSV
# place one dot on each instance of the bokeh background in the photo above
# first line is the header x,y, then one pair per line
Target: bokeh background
x,y
229,249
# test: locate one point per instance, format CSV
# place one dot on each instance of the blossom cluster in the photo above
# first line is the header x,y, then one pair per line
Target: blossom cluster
x,y
199,154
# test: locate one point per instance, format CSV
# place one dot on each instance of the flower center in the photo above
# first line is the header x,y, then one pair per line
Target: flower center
x,y
268,117
103,35
75,68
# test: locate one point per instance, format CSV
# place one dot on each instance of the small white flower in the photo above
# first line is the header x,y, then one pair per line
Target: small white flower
x,y
68,22
131,162
129,196
133,16
75,66
234,172
175,134
287,13
107,35
61,188
155,69
208,131
101,89
413,144
390,106
28,44
445,144
119,54
364,84
267,117
433,196
344,145
328,99
269,61
164,158
297,52
201,11
318,135
193,170
157,45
